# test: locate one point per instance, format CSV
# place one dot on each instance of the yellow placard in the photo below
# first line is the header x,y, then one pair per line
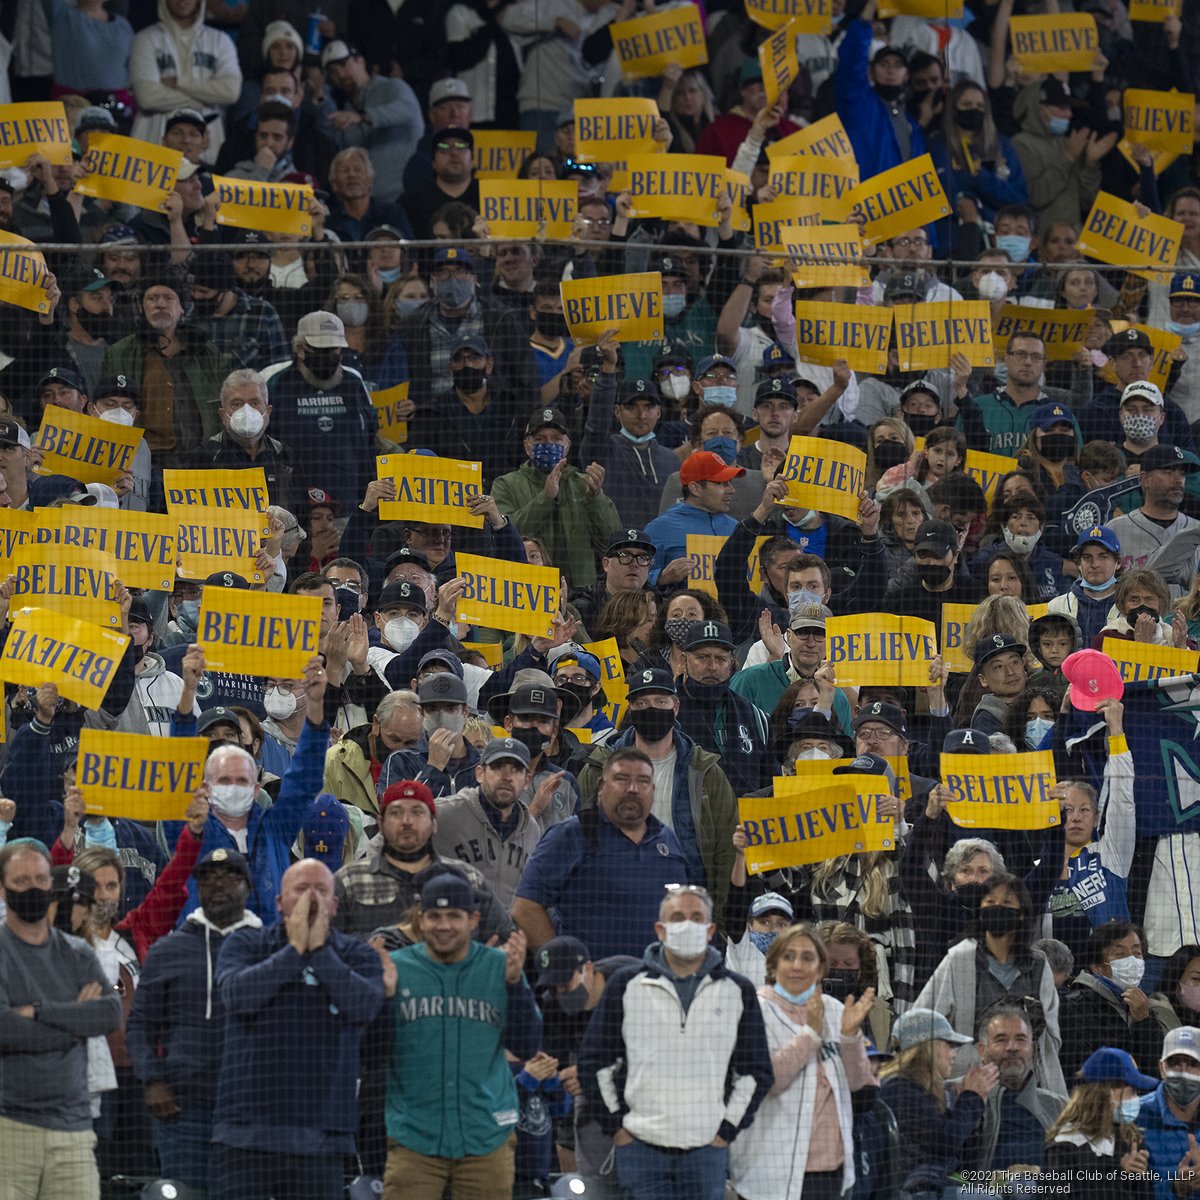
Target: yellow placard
x,y
805,16
1155,11
878,649
434,490
212,540
270,207
499,153
258,633
1161,159
1059,42
40,128
616,689
647,45
1163,121
85,448
492,652
143,544
237,490
681,187
1114,233
78,583
825,475
859,333
1138,662
24,275
128,171
825,256
815,823
955,618
903,779
1037,610
1001,791
44,646
809,177
738,187
754,573
387,403
895,201
630,304
779,62
511,596
528,208
928,334
611,130
139,776
987,470
772,218
16,528
826,138
1062,330
936,10
702,550
1163,343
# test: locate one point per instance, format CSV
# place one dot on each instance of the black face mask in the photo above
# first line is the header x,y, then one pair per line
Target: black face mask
x,y
840,983
891,92
933,575
97,325
970,894
322,364
889,454
583,697
534,740
863,1100
1056,447
550,324
652,724
706,693
999,921
919,423
1134,613
468,379
31,905
970,119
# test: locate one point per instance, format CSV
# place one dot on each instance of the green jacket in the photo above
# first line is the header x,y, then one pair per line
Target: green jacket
x,y
204,368
765,683
713,805
348,771
574,527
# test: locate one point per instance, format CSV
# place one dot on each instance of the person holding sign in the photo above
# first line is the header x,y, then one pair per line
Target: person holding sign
x,y
749,118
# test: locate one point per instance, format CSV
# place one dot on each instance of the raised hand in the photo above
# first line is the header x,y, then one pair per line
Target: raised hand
x,y
855,1012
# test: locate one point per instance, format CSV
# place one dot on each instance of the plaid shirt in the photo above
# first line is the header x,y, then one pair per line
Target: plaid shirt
x,y
251,333
442,339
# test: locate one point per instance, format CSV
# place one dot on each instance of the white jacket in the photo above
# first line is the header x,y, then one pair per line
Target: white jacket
x,y
204,64
158,691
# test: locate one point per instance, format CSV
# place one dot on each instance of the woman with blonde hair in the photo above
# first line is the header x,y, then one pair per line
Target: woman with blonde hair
x,y
890,444
819,1057
1095,1145
994,614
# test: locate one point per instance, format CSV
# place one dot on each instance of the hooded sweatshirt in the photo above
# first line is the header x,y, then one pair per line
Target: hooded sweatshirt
x,y
203,63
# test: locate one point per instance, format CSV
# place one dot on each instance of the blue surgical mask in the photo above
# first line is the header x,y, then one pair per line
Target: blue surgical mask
x,y
1186,331
801,998
1127,1112
390,274
724,447
638,439
763,940
724,394
404,305
187,616
100,833
1036,729
545,456
802,596
1097,587
1058,125
1014,245
674,305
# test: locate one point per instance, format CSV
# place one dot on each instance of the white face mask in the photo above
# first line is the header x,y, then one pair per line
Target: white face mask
x,y
247,422
992,286
1127,972
675,387
117,416
279,704
686,939
232,799
400,633
1022,543
434,721
812,754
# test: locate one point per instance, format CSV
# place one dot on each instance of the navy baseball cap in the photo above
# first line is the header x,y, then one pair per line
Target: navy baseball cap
x,y
714,360
999,643
449,891
651,679
1045,416
639,389
446,657
966,741
558,960
222,857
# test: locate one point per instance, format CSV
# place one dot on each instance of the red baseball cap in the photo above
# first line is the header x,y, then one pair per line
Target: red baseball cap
x,y
408,789
705,466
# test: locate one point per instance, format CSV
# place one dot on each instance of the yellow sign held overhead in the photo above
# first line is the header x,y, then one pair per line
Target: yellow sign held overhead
x,y
1001,791
139,776
779,62
85,448
931,10
213,540
270,207
258,633
24,276
955,618
1138,662
1154,11
78,583
895,201
928,334
825,475
988,469
128,170
1057,42
1114,233
825,256
143,544
37,128
859,333
878,649
44,646
505,595
773,217
681,187
16,528
646,46
702,550
1163,121
612,130
826,138
435,490
516,209
236,490
630,304
616,689
805,16
387,405
807,177
499,153
1061,330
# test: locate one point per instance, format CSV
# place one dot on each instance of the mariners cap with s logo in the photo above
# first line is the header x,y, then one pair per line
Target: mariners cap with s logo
x,y
652,679
227,579
999,643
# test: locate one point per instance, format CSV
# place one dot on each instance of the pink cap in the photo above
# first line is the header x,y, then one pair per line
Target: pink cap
x,y
1094,677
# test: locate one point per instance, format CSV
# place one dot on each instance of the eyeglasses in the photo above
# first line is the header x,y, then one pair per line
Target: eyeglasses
x,y
572,681
626,557
599,222
906,242
876,735
808,635
1026,356
686,889
452,146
